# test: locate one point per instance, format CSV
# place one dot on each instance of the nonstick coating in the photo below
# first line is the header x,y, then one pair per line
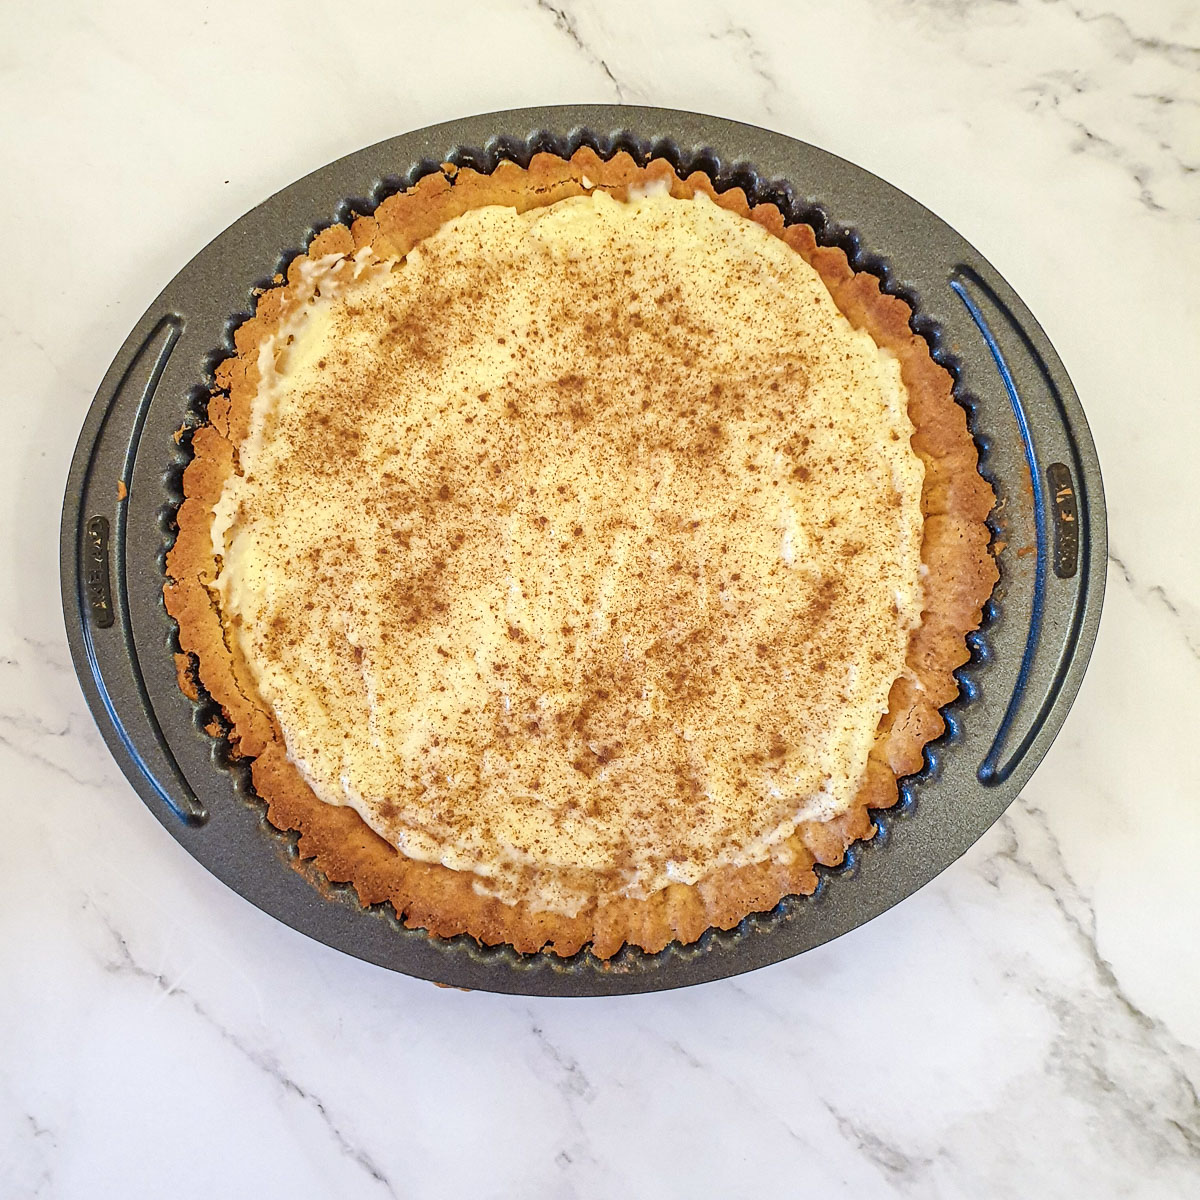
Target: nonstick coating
x,y
1027,662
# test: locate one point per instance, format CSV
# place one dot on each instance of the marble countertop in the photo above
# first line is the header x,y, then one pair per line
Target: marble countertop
x,y
1027,1025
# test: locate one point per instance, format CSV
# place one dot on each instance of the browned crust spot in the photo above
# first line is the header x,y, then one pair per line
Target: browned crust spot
x,y
956,501
185,673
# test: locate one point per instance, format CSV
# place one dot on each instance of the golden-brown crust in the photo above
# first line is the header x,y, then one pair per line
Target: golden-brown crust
x,y
956,501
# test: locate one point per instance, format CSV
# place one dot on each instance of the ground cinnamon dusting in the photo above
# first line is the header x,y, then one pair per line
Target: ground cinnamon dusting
x,y
657,618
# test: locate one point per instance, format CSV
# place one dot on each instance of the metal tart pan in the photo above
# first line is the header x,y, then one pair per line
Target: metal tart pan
x,y
1027,661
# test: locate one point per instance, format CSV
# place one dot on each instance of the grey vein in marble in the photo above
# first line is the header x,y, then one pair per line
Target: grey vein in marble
x,y
684,1053
747,1097
45,1144
1079,1051
898,1168
565,21
1181,54
34,737
742,42
26,733
573,1081
124,963
1051,88
1158,595
52,654
1073,80
572,1084
18,743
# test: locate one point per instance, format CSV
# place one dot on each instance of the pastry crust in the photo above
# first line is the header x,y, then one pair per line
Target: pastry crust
x,y
955,499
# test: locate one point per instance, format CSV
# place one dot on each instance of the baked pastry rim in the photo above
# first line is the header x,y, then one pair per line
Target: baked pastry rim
x,y
961,574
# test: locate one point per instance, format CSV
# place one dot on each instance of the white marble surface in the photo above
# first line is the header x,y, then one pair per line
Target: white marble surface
x,y
1028,1025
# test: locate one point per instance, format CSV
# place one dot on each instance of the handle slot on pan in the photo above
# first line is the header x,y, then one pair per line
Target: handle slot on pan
x,y
103,595
1060,522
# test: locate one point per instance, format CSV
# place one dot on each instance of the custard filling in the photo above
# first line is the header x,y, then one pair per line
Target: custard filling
x,y
580,548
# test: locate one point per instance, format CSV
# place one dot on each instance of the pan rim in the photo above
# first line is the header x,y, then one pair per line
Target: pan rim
x,y
684,965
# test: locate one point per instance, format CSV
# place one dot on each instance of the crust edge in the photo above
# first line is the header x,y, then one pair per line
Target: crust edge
x,y
956,501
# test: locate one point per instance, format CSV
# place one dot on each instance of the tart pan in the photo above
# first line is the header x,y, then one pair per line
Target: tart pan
x,y
1027,661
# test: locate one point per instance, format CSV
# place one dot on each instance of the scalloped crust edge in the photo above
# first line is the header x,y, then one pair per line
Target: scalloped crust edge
x,y
956,501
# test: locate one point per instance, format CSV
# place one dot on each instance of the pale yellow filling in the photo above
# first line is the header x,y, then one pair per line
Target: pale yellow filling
x,y
580,549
